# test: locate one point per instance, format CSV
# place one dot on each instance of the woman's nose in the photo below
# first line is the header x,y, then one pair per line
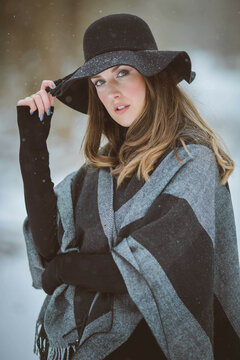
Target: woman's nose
x,y
114,91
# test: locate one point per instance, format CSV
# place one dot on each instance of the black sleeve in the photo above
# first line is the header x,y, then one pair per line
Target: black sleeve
x,y
97,272
94,272
40,199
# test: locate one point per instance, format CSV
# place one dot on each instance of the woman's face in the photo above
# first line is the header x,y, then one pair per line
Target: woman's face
x,y
122,90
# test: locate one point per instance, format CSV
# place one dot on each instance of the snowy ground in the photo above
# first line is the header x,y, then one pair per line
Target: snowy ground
x,y
215,92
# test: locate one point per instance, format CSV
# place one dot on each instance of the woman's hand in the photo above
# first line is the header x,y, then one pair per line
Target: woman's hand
x,y
50,277
41,100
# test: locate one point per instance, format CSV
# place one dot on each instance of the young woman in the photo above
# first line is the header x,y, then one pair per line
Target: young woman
x,y
137,249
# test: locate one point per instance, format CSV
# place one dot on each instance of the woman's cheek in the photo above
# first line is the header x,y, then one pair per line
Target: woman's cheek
x,y
105,102
102,98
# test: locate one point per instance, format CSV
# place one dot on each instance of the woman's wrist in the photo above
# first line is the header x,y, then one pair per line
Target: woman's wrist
x,y
24,110
33,132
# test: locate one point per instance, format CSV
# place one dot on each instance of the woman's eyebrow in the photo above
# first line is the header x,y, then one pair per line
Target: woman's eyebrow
x,y
113,69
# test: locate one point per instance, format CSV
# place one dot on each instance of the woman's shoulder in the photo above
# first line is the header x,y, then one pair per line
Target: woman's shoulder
x,y
199,150
195,160
196,150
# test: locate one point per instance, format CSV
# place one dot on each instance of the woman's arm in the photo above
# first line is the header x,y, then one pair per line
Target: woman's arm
x,y
40,198
94,272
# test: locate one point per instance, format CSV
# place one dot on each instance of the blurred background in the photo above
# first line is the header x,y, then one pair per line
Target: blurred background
x,y
43,40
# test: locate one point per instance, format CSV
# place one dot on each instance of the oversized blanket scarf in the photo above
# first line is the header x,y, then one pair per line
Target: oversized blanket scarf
x,y
174,243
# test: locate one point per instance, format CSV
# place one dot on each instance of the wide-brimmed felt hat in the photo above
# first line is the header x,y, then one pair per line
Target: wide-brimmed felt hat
x,y
118,39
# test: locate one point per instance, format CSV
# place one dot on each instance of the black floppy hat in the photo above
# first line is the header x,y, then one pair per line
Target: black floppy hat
x,y
118,39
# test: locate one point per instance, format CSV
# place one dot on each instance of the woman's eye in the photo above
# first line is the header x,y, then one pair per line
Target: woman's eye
x,y
120,74
124,72
98,83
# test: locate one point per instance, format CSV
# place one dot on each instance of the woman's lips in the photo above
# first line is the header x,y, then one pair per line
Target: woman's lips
x,y
122,110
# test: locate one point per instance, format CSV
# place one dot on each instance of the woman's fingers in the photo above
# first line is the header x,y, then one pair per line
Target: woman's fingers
x,y
46,83
28,101
40,105
45,101
52,99
49,83
41,101
48,99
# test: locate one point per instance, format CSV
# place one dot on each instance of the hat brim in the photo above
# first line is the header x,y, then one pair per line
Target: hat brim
x,y
72,90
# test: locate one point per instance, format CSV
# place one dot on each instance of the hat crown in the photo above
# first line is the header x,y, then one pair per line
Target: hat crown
x,y
117,32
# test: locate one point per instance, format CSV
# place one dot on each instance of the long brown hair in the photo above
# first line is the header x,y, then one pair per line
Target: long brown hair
x,y
169,119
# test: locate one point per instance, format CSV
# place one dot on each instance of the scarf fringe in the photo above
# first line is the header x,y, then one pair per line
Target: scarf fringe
x,y
45,351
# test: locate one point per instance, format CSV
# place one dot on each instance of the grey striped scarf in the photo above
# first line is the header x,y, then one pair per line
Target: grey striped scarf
x,y
193,217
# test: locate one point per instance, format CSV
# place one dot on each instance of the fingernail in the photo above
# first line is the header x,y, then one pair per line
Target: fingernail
x,y
48,111
31,112
53,86
41,117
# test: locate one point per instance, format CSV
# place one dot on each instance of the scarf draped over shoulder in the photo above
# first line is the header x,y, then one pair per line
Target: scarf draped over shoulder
x,y
175,245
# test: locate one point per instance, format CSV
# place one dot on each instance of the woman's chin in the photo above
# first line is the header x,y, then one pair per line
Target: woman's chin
x,y
123,121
